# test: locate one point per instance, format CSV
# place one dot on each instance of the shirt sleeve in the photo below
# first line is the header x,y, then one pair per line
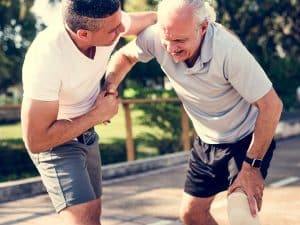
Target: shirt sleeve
x,y
245,74
40,77
144,46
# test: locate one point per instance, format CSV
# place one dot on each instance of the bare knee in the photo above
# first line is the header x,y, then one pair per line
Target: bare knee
x,y
83,214
192,217
195,211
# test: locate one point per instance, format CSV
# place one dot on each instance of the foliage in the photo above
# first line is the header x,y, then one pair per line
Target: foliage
x,y
165,115
17,30
141,5
114,152
16,163
271,31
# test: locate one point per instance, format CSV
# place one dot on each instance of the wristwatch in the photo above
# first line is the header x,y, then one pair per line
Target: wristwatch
x,y
256,163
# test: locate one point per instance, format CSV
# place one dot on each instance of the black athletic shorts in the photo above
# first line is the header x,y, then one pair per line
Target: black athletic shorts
x,y
213,167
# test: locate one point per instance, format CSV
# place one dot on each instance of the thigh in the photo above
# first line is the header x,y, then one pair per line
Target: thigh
x,y
87,213
65,176
94,167
207,170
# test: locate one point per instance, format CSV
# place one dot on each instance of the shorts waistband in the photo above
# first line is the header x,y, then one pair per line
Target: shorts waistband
x,y
85,135
221,145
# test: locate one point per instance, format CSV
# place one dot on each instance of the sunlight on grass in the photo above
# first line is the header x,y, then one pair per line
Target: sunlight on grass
x,y
117,129
11,131
108,133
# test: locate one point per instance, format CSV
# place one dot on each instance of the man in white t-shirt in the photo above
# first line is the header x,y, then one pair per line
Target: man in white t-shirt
x,y
226,94
63,102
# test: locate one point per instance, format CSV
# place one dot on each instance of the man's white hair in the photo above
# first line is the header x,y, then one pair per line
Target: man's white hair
x,y
203,10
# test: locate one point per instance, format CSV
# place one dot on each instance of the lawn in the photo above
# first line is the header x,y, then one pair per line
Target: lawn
x,y
15,162
116,130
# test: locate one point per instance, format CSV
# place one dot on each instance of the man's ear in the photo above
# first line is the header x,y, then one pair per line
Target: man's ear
x,y
203,28
83,35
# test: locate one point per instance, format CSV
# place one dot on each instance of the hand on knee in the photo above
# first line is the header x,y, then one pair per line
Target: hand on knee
x,y
239,211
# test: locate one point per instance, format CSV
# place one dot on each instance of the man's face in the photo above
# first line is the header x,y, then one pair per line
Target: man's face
x,y
179,33
109,31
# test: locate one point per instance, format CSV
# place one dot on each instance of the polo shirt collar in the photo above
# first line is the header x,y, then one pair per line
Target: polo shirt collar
x,y
205,54
207,45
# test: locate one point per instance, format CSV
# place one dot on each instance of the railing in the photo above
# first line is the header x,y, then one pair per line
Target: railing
x,y
129,138
128,122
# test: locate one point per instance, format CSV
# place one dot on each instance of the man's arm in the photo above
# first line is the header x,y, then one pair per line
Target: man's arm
x,y
120,64
139,21
42,130
249,178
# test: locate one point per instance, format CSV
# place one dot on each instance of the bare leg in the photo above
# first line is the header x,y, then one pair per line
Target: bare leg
x,y
83,214
196,211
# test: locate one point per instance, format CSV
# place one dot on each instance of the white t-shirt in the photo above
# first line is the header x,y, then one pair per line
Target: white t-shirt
x,y
55,70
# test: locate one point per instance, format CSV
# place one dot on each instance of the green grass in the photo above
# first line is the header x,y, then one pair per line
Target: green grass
x,y
115,130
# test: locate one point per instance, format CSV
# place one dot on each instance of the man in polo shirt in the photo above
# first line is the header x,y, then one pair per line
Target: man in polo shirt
x,y
62,102
226,94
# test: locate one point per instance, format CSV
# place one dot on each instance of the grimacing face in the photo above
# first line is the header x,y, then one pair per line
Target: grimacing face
x,y
179,33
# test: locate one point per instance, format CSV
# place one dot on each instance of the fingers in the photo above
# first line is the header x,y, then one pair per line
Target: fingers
x,y
258,196
258,199
252,205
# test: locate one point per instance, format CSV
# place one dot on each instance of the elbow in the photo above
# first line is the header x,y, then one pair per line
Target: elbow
x,y
33,146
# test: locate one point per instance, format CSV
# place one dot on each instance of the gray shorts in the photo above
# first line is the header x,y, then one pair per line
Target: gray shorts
x,y
71,172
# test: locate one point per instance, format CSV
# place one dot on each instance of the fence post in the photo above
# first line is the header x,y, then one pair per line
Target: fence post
x,y
129,139
185,137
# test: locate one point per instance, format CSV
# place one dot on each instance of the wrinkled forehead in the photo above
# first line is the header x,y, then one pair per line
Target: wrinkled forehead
x,y
177,24
172,17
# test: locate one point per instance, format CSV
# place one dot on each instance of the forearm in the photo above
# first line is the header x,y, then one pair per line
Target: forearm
x,y
140,20
42,130
119,65
59,132
265,127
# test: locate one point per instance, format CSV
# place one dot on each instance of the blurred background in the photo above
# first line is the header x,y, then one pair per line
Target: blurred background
x,y
270,30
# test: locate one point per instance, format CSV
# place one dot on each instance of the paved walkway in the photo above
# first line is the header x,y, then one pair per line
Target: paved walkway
x,y
153,198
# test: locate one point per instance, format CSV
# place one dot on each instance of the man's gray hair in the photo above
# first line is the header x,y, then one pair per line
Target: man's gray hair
x,y
203,10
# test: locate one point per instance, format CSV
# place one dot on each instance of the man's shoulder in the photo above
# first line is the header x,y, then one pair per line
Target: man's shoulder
x,y
48,43
150,32
224,37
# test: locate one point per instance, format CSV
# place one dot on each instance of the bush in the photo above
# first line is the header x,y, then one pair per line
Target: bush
x,y
165,115
16,163
114,152
284,73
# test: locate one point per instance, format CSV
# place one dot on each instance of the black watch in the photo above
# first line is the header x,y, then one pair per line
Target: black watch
x,y
256,163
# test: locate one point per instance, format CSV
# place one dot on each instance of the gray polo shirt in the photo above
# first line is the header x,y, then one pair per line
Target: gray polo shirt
x,y
218,90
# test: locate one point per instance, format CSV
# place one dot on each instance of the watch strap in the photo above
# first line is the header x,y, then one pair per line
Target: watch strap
x,y
256,163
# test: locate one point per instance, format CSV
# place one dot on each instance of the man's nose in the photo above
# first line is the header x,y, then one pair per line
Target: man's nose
x,y
171,48
121,28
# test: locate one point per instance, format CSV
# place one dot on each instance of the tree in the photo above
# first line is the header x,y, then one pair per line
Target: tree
x,y
17,29
271,31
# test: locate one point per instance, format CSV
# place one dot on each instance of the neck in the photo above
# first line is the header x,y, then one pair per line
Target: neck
x,y
191,61
86,49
